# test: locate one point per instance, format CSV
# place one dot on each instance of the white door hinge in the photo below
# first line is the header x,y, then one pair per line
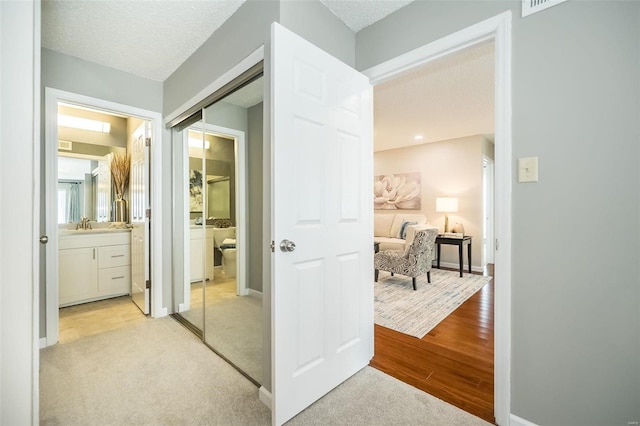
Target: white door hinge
x,y
148,213
273,246
147,142
496,244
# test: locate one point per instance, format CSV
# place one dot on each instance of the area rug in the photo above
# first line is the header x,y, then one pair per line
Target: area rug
x,y
416,313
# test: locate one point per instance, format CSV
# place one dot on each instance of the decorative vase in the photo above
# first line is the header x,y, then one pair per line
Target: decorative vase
x,y
458,228
120,212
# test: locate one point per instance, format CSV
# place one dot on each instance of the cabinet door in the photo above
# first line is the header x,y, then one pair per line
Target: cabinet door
x,y
77,275
210,258
195,259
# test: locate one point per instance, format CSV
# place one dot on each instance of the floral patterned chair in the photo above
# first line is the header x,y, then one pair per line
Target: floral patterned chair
x,y
415,261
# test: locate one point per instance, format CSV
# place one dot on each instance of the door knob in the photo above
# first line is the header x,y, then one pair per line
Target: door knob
x,y
286,245
44,239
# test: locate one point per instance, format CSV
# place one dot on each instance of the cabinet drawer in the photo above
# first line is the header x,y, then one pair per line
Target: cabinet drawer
x,y
112,281
111,256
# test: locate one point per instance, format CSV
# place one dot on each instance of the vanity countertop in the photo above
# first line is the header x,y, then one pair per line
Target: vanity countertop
x,y
73,232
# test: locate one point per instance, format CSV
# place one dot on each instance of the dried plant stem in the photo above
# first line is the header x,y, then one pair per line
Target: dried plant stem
x,y
120,164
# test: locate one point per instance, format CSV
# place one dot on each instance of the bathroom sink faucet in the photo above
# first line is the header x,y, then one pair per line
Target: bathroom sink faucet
x,y
84,224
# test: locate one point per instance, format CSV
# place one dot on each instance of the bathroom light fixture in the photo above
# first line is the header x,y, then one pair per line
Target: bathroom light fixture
x,y
197,143
83,123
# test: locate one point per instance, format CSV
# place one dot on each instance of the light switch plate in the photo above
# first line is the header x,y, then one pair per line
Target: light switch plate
x,y
528,169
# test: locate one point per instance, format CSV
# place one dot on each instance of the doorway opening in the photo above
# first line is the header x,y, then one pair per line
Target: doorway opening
x,y
449,159
497,30
98,189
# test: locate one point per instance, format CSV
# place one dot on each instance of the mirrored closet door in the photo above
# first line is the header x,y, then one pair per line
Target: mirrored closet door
x,y
218,175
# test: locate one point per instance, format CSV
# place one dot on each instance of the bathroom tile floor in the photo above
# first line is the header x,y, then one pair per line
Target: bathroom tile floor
x,y
92,318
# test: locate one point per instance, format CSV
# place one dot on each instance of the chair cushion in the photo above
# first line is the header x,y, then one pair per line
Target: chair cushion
x,y
390,243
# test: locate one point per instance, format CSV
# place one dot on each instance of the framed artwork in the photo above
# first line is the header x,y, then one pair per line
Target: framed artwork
x,y
400,191
195,191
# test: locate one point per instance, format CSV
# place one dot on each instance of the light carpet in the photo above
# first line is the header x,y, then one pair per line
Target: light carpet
x,y
416,313
155,372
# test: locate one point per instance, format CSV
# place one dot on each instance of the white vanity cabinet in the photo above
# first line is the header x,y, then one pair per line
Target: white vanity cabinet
x,y
93,266
196,248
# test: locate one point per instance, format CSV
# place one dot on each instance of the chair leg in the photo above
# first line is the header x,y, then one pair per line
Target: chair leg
x,y
429,277
392,274
414,283
376,275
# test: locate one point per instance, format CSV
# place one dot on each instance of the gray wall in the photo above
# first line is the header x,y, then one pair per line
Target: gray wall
x,y
576,296
312,21
244,32
254,201
75,75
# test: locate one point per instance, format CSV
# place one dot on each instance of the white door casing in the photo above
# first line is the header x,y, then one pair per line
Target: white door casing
x,y
322,293
139,194
52,97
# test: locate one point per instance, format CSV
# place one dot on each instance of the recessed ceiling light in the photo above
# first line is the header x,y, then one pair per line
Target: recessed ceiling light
x,y
418,137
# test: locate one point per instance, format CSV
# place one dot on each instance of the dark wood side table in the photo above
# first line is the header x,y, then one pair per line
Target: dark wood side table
x,y
460,242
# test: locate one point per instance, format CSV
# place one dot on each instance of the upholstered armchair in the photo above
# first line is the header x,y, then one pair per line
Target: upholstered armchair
x,y
414,261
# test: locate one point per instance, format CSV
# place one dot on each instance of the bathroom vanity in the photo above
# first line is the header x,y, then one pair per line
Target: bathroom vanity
x,y
93,265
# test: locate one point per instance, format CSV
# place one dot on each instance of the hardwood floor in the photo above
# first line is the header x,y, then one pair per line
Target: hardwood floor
x,y
454,362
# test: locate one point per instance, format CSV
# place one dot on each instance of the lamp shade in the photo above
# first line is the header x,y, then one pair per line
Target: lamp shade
x,y
447,205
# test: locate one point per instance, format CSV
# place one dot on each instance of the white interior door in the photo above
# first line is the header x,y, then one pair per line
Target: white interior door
x,y
139,190
322,292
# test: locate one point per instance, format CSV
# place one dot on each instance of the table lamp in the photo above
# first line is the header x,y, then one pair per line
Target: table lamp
x,y
446,205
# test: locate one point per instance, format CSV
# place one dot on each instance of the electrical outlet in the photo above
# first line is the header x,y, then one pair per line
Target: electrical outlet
x,y
528,169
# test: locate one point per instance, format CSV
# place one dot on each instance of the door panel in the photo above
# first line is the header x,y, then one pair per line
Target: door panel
x,y
322,293
139,190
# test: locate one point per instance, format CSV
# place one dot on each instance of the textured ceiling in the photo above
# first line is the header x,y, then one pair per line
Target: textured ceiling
x,y
148,38
151,38
451,98
358,14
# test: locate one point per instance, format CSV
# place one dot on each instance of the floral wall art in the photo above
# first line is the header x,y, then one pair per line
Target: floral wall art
x,y
399,191
195,191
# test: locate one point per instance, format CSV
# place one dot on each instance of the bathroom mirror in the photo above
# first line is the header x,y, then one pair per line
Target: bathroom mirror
x,y
86,140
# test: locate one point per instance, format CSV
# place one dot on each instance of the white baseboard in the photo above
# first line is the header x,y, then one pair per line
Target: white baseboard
x,y
265,396
43,342
163,313
457,266
519,421
255,293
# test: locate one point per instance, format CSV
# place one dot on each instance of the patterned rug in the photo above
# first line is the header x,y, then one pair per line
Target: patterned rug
x,y
416,313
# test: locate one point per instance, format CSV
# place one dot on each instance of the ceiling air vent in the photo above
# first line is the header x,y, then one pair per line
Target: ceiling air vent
x,y
529,7
65,145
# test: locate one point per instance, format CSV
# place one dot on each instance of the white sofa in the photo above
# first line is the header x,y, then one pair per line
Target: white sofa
x,y
387,229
